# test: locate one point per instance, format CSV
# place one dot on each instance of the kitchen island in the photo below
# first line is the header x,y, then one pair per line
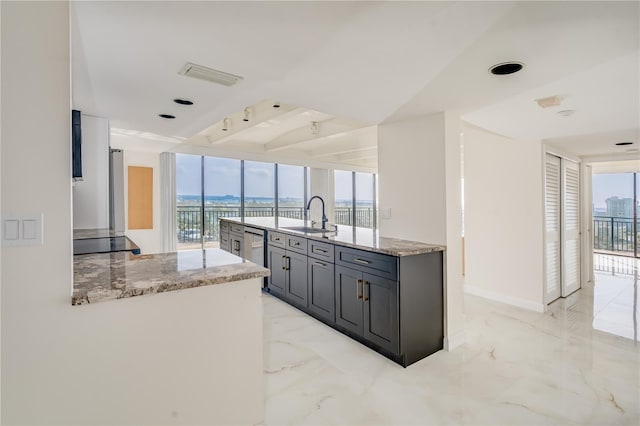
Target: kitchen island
x,y
107,276
170,338
386,293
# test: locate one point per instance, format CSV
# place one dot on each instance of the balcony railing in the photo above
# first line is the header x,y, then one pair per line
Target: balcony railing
x,y
189,218
615,234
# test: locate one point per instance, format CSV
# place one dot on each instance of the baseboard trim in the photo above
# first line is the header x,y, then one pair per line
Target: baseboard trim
x,y
454,341
498,297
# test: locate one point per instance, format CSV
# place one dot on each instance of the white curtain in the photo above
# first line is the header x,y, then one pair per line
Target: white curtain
x,y
168,201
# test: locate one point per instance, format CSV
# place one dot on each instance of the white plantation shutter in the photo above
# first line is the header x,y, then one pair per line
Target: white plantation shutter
x,y
552,228
570,227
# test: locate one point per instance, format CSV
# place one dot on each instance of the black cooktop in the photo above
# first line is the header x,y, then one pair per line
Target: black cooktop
x,y
104,245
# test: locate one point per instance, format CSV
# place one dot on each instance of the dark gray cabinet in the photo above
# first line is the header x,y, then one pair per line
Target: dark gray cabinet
x,y
296,288
321,290
288,275
392,304
225,243
276,264
236,242
368,306
348,293
380,301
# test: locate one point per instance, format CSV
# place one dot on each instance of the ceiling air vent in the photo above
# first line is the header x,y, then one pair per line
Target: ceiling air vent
x,y
209,74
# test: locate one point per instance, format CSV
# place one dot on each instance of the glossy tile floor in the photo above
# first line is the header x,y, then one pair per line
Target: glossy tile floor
x,y
578,363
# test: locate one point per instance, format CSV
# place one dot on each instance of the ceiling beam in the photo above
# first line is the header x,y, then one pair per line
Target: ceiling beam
x,y
362,139
359,155
334,127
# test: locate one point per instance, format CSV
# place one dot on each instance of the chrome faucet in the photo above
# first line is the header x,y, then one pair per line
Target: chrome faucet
x,y
324,216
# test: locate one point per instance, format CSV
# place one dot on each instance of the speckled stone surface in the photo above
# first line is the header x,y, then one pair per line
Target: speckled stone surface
x,y
80,234
347,236
109,276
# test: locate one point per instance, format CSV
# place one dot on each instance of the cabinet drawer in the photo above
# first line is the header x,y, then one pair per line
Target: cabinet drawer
x,y
296,244
373,263
224,225
276,239
225,243
322,251
236,228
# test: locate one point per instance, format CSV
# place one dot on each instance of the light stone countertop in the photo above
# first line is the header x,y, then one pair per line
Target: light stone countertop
x,y
347,236
108,276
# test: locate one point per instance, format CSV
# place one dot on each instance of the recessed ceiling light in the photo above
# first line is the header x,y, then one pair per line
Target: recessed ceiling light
x,y
167,116
506,68
624,143
181,101
567,112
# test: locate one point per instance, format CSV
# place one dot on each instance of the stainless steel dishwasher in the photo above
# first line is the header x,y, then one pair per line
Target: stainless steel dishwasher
x,y
254,247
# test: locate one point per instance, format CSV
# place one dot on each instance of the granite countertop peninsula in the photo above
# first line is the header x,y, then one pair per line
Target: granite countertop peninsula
x,y
108,276
346,236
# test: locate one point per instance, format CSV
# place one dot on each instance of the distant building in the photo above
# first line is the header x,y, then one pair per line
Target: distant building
x,y
619,207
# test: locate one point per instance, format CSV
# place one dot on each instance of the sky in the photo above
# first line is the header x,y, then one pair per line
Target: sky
x,y
614,184
222,177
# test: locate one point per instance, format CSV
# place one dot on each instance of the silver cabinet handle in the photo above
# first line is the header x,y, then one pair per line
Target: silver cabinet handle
x,y
358,292
288,263
320,264
319,249
283,263
364,262
364,291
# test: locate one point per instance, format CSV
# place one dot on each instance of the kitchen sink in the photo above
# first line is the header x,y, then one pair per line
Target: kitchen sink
x,y
307,229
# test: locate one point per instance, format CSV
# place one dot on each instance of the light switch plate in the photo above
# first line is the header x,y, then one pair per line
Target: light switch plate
x,y
385,213
22,230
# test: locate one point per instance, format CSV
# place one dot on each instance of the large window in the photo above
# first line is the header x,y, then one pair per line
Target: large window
x,y
209,188
222,195
615,213
189,201
343,185
292,195
355,199
259,189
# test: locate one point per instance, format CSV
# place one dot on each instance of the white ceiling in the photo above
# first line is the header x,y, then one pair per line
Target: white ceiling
x,y
351,65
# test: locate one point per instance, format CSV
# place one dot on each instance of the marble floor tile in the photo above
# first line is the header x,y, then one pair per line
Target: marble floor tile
x,y
577,363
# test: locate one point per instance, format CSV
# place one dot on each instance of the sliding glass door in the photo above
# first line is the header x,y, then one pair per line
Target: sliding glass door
x,y
615,213
189,201
355,199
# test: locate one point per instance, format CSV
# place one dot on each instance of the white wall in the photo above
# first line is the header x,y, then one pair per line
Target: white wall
x,y
411,166
419,181
124,361
149,240
503,218
91,194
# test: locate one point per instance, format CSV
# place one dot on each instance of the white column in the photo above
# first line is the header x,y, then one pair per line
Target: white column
x,y
168,201
454,287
